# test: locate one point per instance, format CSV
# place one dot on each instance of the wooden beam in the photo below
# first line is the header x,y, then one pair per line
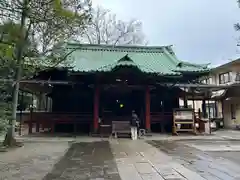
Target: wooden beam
x,y
187,85
220,86
34,81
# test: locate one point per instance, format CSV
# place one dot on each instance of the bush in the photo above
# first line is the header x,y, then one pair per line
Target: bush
x,y
3,125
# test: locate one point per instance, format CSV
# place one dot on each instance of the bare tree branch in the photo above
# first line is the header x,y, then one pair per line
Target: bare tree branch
x,y
106,29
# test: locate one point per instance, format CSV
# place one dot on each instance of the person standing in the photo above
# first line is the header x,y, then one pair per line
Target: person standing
x,y
134,124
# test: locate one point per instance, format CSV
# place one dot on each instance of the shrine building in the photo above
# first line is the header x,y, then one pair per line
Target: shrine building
x,y
106,83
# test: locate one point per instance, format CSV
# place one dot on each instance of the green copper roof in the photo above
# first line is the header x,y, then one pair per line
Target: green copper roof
x,y
160,60
186,66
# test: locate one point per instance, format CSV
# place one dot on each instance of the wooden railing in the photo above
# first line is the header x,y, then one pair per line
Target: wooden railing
x,y
62,117
158,117
50,119
110,119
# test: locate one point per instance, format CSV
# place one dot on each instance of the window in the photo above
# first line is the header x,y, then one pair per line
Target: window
x,y
209,80
204,81
211,110
237,77
190,106
233,111
224,78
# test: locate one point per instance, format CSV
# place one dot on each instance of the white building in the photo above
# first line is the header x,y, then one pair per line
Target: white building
x,y
227,74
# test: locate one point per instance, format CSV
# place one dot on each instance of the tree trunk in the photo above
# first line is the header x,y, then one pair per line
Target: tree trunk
x,y
10,136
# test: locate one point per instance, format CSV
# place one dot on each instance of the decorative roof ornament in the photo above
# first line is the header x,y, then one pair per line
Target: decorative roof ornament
x,y
180,64
125,58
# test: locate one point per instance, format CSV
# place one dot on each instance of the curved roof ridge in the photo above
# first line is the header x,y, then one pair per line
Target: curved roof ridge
x,y
172,57
128,48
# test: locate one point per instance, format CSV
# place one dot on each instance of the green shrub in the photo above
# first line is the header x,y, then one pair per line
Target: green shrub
x,y
3,125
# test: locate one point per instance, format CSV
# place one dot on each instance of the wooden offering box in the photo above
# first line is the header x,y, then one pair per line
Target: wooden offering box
x,y
183,120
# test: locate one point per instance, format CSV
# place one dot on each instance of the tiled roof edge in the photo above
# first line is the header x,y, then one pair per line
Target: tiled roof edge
x,y
96,47
204,66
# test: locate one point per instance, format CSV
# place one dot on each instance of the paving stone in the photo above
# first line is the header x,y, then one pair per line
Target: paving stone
x,y
210,177
151,176
165,170
172,174
110,170
144,168
186,172
173,177
68,175
79,176
128,172
221,175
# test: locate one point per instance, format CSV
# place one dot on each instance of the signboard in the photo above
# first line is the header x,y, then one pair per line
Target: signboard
x,y
184,115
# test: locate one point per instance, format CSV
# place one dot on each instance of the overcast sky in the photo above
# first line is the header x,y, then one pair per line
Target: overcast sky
x,y
200,30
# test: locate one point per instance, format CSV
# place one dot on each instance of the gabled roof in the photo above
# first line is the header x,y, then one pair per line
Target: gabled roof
x,y
148,59
226,65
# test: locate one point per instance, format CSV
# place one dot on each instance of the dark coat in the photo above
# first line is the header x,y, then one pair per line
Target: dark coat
x,y
135,120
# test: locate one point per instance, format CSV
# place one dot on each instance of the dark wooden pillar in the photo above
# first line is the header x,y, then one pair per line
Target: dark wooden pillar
x,y
209,110
52,127
209,117
204,109
30,121
193,101
37,126
30,124
39,107
147,110
222,108
21,114
185,101
96,108
216,108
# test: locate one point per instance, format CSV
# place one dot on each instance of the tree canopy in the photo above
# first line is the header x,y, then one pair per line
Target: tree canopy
x,y
32,29
47,23
105,28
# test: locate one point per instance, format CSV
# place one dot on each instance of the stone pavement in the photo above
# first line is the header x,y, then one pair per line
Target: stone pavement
x,y
137,160
116,159
209,165
217,135
228,134
85,160
30,162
